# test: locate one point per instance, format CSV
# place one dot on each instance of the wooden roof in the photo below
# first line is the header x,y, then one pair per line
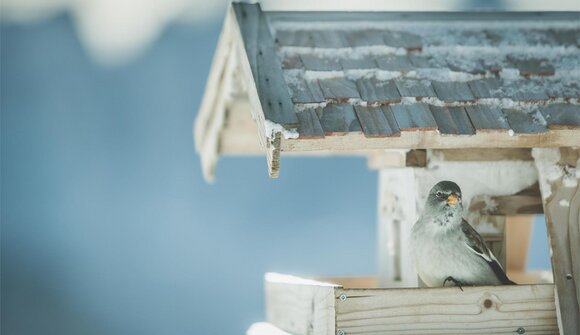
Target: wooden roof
x,y
346,81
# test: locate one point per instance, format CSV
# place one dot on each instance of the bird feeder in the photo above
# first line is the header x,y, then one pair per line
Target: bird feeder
x,y
489,98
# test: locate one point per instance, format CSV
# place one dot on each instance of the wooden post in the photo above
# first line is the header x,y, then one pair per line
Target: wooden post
x,y
518,234
559,170
397,213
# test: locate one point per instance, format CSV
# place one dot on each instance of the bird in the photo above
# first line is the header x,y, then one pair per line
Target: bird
x,y
446,248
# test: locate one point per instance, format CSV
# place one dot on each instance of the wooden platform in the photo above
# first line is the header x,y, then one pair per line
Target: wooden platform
x,y
356,306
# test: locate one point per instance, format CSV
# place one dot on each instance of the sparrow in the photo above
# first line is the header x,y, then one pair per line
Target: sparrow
x,y
446,248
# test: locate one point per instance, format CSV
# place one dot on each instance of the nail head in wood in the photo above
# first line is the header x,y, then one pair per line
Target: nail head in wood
x,y
340,332
487,303
342,297
521,330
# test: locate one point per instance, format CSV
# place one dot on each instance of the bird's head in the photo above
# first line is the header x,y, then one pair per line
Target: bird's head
x,y
444,202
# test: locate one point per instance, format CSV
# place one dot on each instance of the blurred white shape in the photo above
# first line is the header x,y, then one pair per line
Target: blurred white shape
x,y
263,328
115,31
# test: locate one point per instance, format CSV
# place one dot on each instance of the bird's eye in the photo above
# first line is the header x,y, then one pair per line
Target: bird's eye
x,y
439,194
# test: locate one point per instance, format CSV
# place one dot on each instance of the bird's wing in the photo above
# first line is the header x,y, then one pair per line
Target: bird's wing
x,y
475,244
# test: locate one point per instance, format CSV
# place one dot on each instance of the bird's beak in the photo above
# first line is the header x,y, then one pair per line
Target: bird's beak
x,y
452,199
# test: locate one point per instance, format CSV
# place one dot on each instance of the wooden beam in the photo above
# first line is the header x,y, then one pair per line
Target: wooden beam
x,y
433,140
485,154
248,51
213,85
528,201
559,170
300,306
518,234
397,214
475,310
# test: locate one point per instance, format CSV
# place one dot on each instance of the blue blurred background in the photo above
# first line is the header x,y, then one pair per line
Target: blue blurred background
x,y
107,225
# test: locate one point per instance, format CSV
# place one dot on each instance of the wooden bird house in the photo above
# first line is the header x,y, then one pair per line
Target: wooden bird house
x,y
490,98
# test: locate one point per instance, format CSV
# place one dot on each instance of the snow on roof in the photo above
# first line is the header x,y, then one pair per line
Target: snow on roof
x,y
355,81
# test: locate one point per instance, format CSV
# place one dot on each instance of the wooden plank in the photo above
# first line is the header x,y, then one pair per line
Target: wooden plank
x,y
530,90
518,236
561,195
487,118
318,63
484,154
485,88
305,91
452,120
458,64
527,201
402,39
210,119
329,39
265,65
374,91
568,90
420,61
395,63
339,89
384,159
356,141
475,310
525,122
294,38
292,62
339,119
561,115
415,88
399,209
309,126
413,117
363,62
374,123
300,306
216,76
452,91
532,66
390,117
569,37
364,37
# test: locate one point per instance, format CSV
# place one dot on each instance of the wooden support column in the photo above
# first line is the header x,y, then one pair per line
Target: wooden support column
x,y
398,213
559,170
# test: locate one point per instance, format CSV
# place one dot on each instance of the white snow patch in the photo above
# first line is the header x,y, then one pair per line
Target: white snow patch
x,y
564,203
272,128
495,178
387,75
316,75
546,160
510,74
301,107
443,75
265,328
511,132
289,279
348,52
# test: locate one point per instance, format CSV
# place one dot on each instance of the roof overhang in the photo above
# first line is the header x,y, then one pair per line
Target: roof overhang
x,y
290,82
